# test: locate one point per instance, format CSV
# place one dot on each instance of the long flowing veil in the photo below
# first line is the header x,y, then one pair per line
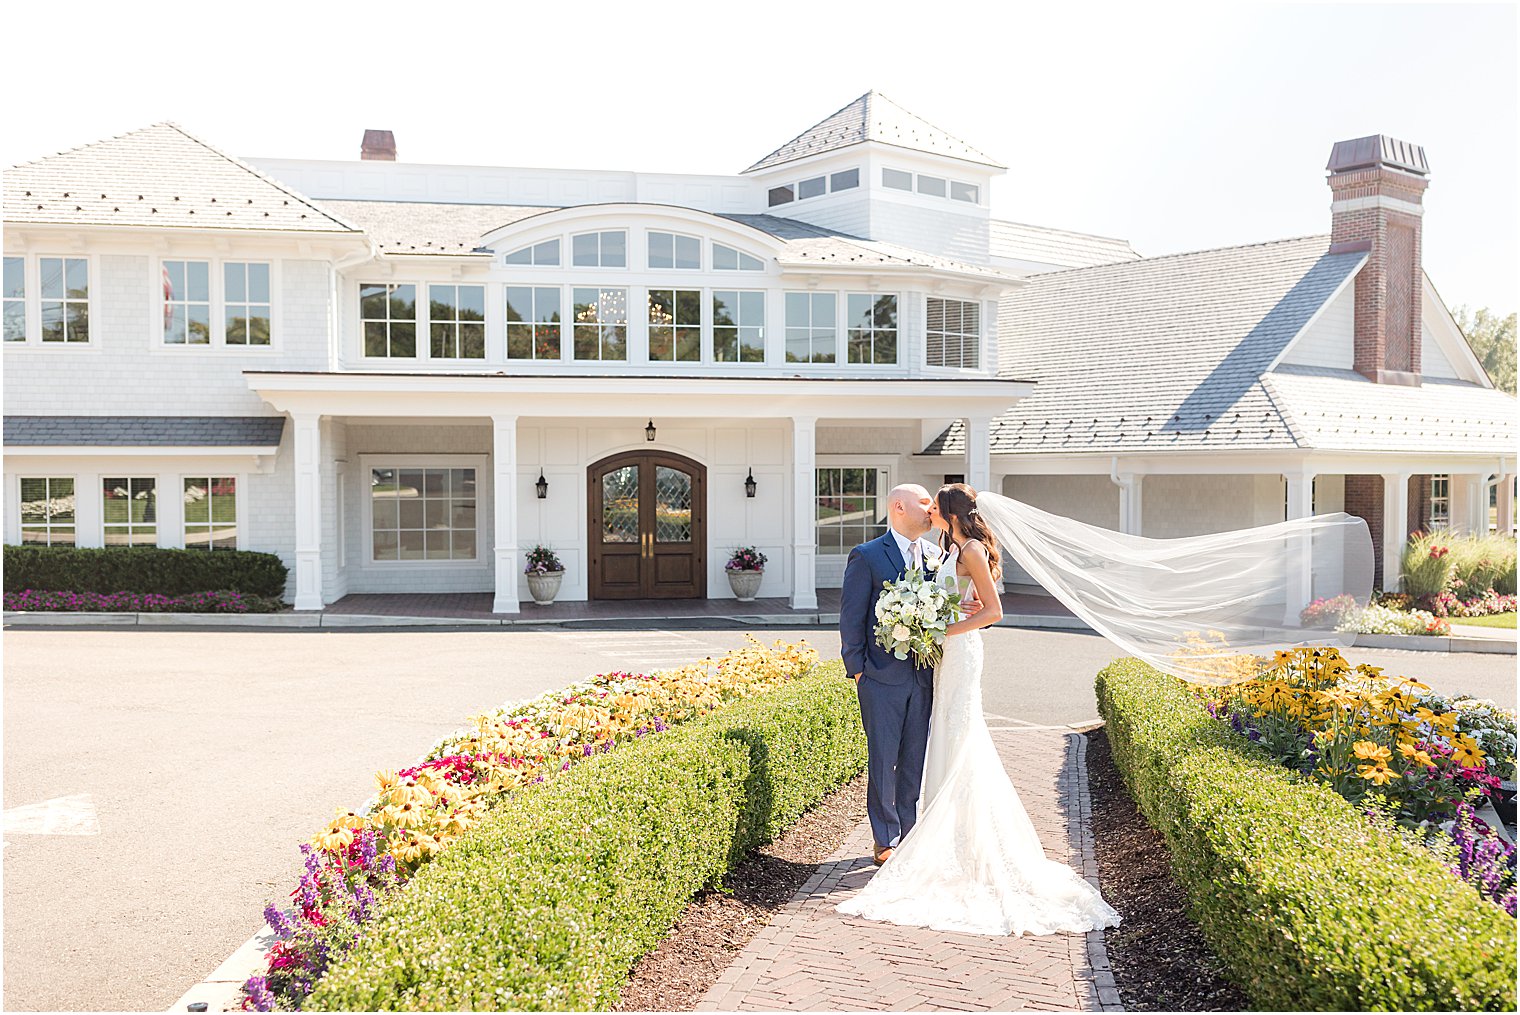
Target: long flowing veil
x,y
1197,607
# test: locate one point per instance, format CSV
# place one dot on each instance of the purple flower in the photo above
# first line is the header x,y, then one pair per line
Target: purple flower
x,y
279,922
257,989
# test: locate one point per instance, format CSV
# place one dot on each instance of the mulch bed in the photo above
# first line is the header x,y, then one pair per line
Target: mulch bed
x,y
718,924
1159,957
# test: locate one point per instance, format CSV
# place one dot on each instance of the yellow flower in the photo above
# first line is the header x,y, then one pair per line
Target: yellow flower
x,y
334,837
385,780
1465,753
1416,756
349,819
1366,750
1378,774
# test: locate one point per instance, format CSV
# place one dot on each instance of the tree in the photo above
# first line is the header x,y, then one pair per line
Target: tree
x,y
1493,341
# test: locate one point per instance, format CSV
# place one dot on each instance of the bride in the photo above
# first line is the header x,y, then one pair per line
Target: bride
x,y
973,862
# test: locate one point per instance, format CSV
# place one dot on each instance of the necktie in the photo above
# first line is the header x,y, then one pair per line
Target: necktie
x,y
918,555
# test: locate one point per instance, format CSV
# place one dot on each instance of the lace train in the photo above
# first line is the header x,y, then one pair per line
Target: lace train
x,y
973,862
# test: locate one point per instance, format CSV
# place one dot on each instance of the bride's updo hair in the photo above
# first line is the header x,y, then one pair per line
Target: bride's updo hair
x,y
958,501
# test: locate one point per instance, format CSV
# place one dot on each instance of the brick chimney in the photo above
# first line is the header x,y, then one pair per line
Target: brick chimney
x,y
378,146
1377,184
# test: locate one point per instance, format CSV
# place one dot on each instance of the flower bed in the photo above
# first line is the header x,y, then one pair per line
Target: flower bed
x,y
1449,604
1310,905
35,601
1343,614
433,808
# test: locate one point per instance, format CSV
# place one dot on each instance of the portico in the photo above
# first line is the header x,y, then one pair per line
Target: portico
x,y
457,429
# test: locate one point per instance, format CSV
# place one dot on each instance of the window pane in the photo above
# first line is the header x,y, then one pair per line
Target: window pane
x,y
372,301
472,340
896,179
780,195
725,258
523,256
752,309
15,321
403,339
661,250
688,252
963,191
615,250
258,283
810,188
725,308
931,185
197,281
77,277
748,263
51,272
584,250
546,252
798,310
519,303
15,275
845,180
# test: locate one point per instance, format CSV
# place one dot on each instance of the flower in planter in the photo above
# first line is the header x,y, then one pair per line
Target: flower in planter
x,y
746,558
542,560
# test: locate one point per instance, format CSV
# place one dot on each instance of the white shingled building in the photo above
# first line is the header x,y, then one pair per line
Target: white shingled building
x,y
401,376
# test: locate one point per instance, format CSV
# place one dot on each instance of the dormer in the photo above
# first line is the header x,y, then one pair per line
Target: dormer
x,y
875,170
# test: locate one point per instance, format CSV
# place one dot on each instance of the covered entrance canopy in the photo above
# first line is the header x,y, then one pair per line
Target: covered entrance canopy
x,y
503,399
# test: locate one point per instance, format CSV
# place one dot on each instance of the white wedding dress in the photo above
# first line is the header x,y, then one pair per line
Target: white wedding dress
x,y
973,862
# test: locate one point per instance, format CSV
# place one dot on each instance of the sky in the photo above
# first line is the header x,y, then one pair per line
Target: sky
x,y
1178,127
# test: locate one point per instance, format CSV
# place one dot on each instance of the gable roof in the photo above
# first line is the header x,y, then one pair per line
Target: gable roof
x,y
1158,354
873,117
1062,247
160,176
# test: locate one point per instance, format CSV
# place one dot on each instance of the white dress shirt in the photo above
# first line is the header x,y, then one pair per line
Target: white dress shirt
x,y
906,547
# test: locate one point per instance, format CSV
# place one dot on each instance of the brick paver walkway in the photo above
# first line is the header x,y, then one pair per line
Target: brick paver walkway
x,y
812,958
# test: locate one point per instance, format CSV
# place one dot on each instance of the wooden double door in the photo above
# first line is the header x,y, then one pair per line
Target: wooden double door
x,y
646,527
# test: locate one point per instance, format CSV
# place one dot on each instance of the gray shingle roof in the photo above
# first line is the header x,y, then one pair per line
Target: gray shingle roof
x,y
143,431
1340,410
407,227
1021,242
807,244
1159,354
873,117
160,176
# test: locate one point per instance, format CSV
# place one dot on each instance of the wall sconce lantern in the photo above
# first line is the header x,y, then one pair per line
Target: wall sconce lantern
x,y
542,486
649,431
749,484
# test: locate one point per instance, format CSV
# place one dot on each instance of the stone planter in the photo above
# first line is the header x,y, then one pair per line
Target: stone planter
x,y
745,584
544,585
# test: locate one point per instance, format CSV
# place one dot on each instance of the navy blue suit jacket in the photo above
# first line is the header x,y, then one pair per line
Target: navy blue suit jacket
x,y
869,565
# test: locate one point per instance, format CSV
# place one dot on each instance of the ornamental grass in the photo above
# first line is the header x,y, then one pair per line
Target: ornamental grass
x,y
421,811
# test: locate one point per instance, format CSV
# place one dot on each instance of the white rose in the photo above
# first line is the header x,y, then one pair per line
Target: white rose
x,y
900,633
928,613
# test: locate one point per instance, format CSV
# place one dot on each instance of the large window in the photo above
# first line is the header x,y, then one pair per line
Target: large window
x,y
65,289
729,259
15,299
954,333
423,514
533,322
211,512
896,179
129,510
543,253
389,315
600,250
47,511
187,302
246,303
811,335
601,324
1440,501
457,316
851,507
670,250
871,328
675,325
738,326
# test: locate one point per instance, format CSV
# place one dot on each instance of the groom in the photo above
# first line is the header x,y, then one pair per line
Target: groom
x,y
895,694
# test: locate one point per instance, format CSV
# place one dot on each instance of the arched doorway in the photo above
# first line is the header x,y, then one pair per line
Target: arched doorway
x,y
646,527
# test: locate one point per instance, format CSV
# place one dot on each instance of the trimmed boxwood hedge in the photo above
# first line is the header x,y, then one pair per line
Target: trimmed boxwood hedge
x,y
142,569
1309,904
551,899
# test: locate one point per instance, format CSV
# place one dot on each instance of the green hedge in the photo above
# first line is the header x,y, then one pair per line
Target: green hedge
x,y
142,569
548,903
1310,905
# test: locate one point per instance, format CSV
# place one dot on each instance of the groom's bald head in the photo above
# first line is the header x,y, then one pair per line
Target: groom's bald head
x,y
908,509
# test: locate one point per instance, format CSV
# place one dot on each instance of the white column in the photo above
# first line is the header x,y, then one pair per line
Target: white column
x,y
308,463
979,453
1395,526
1129,502
804,534
1300,505
504,503
170,510
1505,503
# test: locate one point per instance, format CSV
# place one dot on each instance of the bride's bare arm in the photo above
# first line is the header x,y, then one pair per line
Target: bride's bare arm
x,y
975,556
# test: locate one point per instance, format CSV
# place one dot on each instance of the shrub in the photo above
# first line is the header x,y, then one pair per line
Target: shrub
x,y
1477,563
562,886
1309,905
746,558
1426,564
143,569
542,560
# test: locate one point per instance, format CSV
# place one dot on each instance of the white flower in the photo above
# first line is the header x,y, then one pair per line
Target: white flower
x,y
927,612
900,633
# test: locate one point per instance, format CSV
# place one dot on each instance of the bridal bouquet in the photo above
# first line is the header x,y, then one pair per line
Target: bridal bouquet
x,y
911,616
